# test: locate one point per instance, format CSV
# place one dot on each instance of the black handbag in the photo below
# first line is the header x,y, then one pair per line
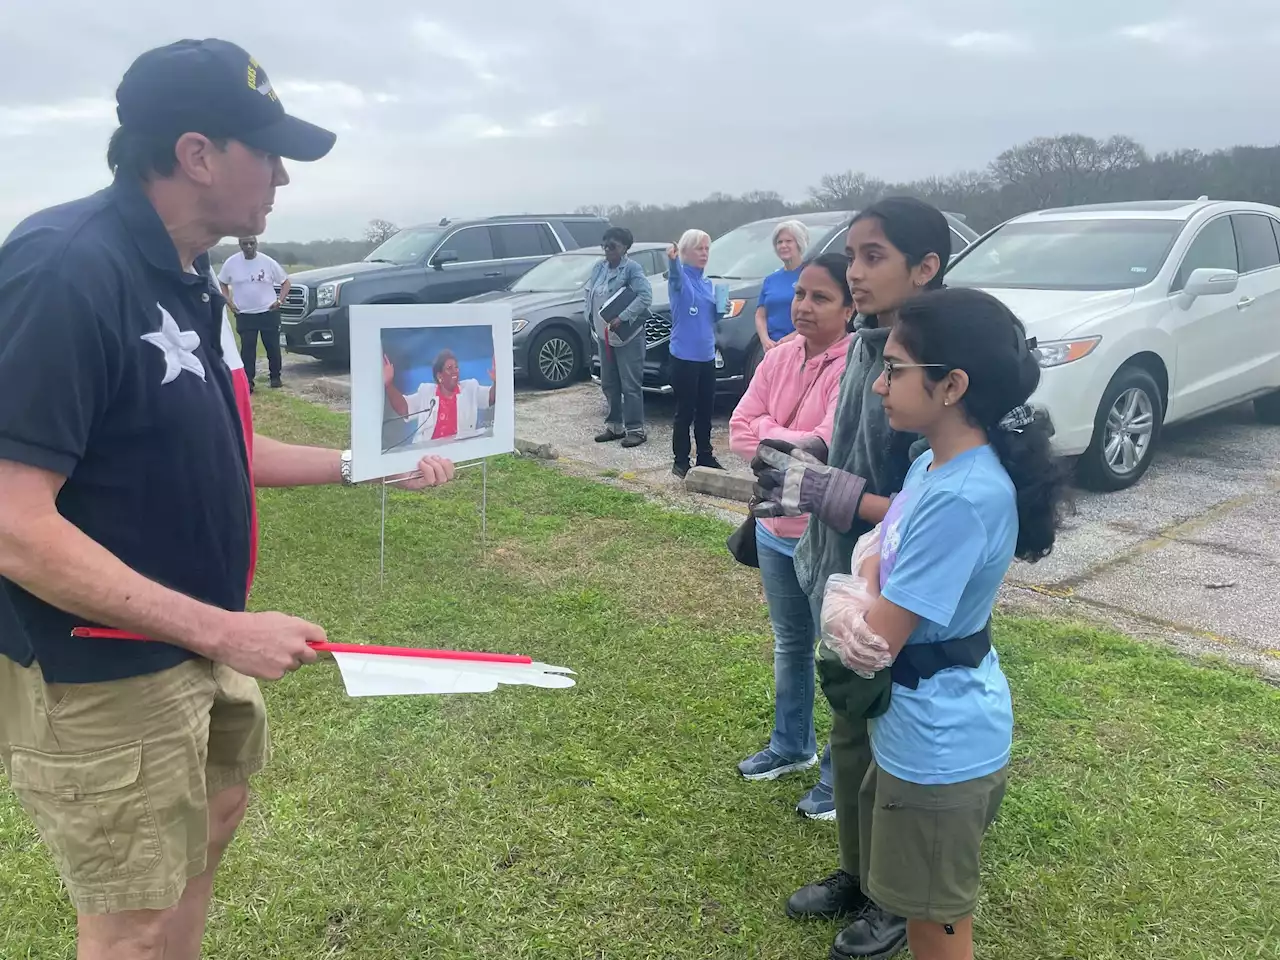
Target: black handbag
x,y
742,542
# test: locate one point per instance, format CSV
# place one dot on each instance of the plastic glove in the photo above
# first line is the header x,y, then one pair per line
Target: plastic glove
x,y
845,603
792,482
868,545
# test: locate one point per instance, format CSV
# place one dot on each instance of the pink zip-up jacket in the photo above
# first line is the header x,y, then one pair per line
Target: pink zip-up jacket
x,y
780,381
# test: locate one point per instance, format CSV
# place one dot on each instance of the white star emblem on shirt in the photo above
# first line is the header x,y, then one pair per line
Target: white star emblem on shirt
x,y
178,346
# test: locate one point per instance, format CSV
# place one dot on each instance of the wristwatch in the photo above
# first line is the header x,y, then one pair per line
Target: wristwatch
x,y
346,469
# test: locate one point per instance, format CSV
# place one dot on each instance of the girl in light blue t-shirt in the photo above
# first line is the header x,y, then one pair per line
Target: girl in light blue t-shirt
x,y
958,369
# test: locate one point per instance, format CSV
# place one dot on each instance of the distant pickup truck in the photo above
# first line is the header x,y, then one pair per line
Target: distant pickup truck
x,y
441,263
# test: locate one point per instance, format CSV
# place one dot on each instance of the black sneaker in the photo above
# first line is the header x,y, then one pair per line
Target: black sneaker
x,y
633,440
609,435
833,898
710,462
876,935
275,383
681,470
251,386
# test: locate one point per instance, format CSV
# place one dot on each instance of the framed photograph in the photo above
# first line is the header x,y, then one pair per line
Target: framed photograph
x,y
429,379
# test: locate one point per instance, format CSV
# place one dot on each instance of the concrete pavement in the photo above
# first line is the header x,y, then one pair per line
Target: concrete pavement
x,y
1189,557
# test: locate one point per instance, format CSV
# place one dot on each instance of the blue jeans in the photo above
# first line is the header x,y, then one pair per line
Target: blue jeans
x,y
795,633
622,380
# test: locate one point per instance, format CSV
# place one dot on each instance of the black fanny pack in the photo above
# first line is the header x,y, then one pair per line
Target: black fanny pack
x,y
920,661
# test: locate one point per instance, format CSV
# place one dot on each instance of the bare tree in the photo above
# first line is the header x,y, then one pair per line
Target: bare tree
x,y
847,191
379,231
1068,169
1044,172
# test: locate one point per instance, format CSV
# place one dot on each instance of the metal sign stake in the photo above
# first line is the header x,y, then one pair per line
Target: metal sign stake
x,y
382,541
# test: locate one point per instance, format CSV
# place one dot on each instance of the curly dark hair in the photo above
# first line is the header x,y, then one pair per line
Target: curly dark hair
x,y
621,234
443,357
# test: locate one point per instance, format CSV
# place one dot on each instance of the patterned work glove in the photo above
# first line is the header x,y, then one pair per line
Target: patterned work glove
x,y
791,482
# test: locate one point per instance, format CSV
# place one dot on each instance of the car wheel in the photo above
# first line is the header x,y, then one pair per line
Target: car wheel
x,y
555,359
754,358
1268,408
1125,432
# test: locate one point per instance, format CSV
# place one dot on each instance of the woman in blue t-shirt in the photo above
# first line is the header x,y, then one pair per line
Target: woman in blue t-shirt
x,y
773,310
958,369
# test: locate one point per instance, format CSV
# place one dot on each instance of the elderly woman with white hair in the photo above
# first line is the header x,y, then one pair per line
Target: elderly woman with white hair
x,y
773,313
694,313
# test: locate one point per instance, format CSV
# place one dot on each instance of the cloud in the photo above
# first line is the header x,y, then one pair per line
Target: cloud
x,y
556,119
1177,34
987,42
331,93
438,39
37,117
500,105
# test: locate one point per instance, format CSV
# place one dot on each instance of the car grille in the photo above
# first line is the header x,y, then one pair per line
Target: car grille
x,y
297,304
657,330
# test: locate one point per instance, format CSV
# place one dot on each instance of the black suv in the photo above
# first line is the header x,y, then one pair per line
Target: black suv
x,y
427,264
744,257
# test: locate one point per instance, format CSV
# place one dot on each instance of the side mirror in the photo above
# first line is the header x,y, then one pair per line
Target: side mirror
x,y
443,257
1209,282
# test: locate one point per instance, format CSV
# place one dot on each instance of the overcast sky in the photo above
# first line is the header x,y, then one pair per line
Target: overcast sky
x,y
494,106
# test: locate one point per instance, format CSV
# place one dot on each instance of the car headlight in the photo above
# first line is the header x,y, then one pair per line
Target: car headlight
x,y
734,309
327,293
517,325
1055,353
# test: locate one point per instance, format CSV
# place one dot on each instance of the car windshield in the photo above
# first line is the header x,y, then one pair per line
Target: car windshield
x,y
566,272
407,246
1068,255
747,252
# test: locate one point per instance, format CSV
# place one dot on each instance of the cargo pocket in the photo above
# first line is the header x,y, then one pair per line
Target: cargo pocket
x,y
91,809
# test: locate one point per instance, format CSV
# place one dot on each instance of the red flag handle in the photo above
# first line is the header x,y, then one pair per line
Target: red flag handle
x,y
420,652
103,633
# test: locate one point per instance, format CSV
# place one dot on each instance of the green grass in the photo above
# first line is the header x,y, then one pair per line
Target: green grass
x,y
607,822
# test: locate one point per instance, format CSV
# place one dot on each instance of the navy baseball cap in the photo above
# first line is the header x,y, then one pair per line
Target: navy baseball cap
x,y
215,88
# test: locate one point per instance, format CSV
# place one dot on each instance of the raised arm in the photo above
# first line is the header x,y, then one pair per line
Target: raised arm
x,y
394,397
675,273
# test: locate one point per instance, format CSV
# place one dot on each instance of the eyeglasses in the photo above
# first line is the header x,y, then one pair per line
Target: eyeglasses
x,y
892,366
611,245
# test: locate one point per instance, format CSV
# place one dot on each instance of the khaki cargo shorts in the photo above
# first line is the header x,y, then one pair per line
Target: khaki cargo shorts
x,y
921,844
117,775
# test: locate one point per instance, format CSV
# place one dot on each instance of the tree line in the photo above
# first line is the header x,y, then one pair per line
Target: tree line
x,y
1043,172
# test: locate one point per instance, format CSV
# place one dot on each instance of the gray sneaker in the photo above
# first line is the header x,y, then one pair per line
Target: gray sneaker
x,y
819,803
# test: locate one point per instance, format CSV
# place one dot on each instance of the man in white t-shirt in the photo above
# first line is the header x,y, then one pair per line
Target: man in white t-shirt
x,y
249,281
447,407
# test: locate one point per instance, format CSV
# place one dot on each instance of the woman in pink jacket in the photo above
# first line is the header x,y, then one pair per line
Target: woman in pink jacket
x,y
793,396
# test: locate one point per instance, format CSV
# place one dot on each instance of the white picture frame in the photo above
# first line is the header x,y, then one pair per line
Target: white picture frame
x,y
384,442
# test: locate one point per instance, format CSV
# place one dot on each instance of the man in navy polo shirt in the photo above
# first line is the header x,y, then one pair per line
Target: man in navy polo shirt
x,y
127,472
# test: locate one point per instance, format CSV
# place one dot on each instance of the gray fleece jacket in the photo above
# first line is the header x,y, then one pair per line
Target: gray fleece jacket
x,y
862,443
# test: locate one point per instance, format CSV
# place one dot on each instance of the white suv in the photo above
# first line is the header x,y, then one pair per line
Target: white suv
x,y
1145,314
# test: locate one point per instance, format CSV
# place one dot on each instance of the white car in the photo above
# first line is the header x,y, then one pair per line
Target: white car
x,y
1145,314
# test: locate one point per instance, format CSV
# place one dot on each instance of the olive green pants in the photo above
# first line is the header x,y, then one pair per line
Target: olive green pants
x,y
853,702
922,843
